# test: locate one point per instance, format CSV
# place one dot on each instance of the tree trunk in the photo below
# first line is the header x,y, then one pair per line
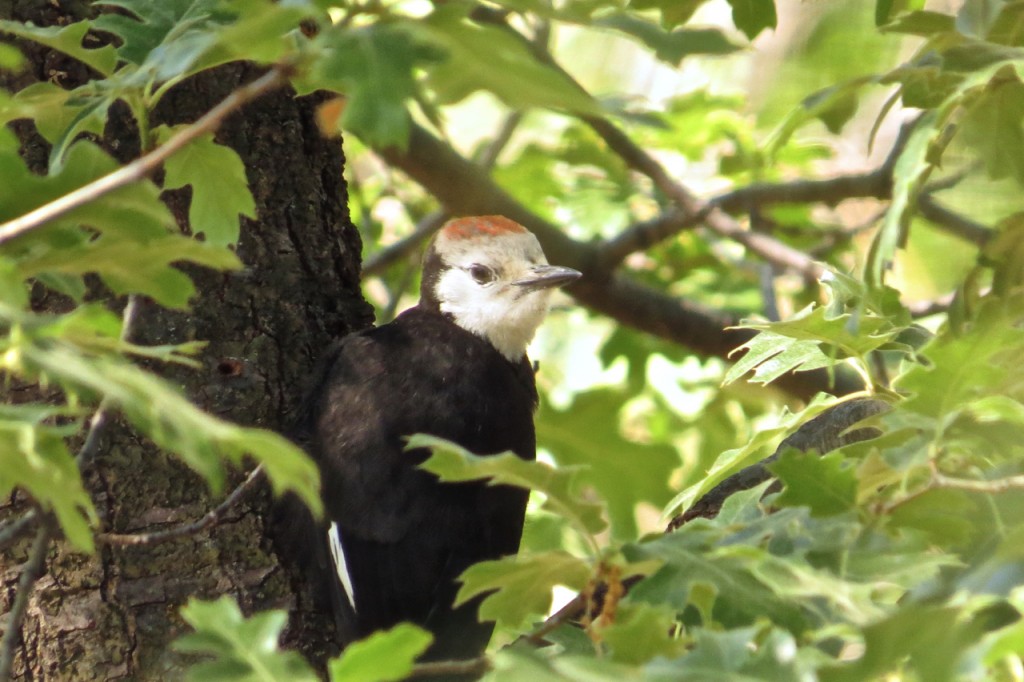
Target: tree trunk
x,y
111,616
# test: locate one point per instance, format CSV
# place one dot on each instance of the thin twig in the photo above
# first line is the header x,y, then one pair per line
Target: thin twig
x,y
12,530
572,609
31,571
472,666
144,165
715,212
208,520
999,485
766,246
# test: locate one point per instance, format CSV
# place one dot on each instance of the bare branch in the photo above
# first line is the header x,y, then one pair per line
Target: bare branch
x,y
208,520
643,235
144,165
31,572
402,248
952,222
764,245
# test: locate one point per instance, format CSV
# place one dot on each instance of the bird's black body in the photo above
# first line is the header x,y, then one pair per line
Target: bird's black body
x,y
406,536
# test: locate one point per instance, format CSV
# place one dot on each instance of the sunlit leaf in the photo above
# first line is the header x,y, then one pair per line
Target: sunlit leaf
x,y
623,472
753,16
34,458
68,39
158,410
820,482
384,656
220,189
520,587
670,47
510,71
449,462
756,449
243,649
640,632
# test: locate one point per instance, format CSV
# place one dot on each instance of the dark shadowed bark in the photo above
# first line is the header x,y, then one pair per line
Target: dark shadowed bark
x,y
111,616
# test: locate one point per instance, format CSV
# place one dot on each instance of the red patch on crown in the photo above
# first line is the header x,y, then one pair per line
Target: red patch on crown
x,y
481,226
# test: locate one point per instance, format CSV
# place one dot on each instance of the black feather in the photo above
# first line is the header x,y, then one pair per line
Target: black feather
x,y
406,536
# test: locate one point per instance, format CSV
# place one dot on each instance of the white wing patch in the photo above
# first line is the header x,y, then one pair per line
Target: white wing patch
x,y
338,554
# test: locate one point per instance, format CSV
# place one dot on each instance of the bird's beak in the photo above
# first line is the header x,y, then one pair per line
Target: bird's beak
x,y
547,276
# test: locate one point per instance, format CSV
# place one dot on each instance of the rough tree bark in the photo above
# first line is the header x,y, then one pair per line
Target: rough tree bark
x,y
110,616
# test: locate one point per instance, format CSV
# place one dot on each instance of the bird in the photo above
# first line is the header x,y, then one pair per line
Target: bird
x,y
395,539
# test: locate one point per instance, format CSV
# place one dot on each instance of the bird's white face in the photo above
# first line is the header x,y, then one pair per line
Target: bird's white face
x,y
498,287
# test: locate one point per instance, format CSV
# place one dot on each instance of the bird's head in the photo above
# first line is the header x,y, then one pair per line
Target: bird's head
x,y
490,276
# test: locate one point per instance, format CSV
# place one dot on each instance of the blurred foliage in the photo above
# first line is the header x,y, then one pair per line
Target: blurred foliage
x,y
894,558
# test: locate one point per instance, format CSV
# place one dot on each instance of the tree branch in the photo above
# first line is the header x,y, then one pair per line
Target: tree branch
x,y
144,165
766,246
464,190
952,222
30,573
432,222
208,520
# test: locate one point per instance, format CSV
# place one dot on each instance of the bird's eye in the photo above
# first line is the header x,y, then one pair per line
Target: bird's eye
x,y
481,273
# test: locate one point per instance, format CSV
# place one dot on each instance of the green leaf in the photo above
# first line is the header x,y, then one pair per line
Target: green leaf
x,y
751,653
510,70
753,16
921,23
11,58
449,462
373,67
796,344
977,17
886,9
173,39
670,47
642,632
772,355
384,656
516,664
220,189
934,638
159,411
244,649
693,568
66,39
624,473
137,267
759,447
963,369
673,12
34,458
993,127
821,483
520,586
134,211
